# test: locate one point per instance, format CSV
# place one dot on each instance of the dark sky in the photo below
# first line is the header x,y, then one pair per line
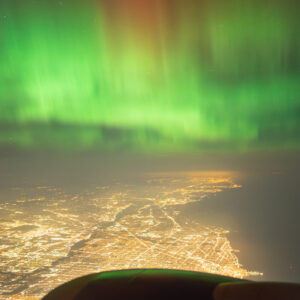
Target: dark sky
x,y
93,90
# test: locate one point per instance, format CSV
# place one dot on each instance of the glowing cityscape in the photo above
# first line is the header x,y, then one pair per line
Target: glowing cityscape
x,y
55,236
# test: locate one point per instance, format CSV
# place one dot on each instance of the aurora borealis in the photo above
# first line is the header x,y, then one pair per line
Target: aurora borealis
x,y
150,74
142,133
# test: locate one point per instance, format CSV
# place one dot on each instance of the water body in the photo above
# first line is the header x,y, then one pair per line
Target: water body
x,y
263,219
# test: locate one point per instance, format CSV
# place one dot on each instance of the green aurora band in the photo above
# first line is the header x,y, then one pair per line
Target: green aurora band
x,y
164,75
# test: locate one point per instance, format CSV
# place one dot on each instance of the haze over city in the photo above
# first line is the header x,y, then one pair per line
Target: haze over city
x,y
148,133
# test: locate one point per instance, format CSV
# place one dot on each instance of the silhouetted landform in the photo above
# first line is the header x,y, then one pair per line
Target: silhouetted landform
x,y
140,284
150,284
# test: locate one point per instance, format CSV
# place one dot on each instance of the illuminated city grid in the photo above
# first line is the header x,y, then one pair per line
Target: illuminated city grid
x,y
50,236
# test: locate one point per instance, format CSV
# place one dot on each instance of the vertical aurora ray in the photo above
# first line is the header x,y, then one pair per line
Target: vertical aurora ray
x,y
181,75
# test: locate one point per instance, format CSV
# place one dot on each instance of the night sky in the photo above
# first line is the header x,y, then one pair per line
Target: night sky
x,y
93,91
150,75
